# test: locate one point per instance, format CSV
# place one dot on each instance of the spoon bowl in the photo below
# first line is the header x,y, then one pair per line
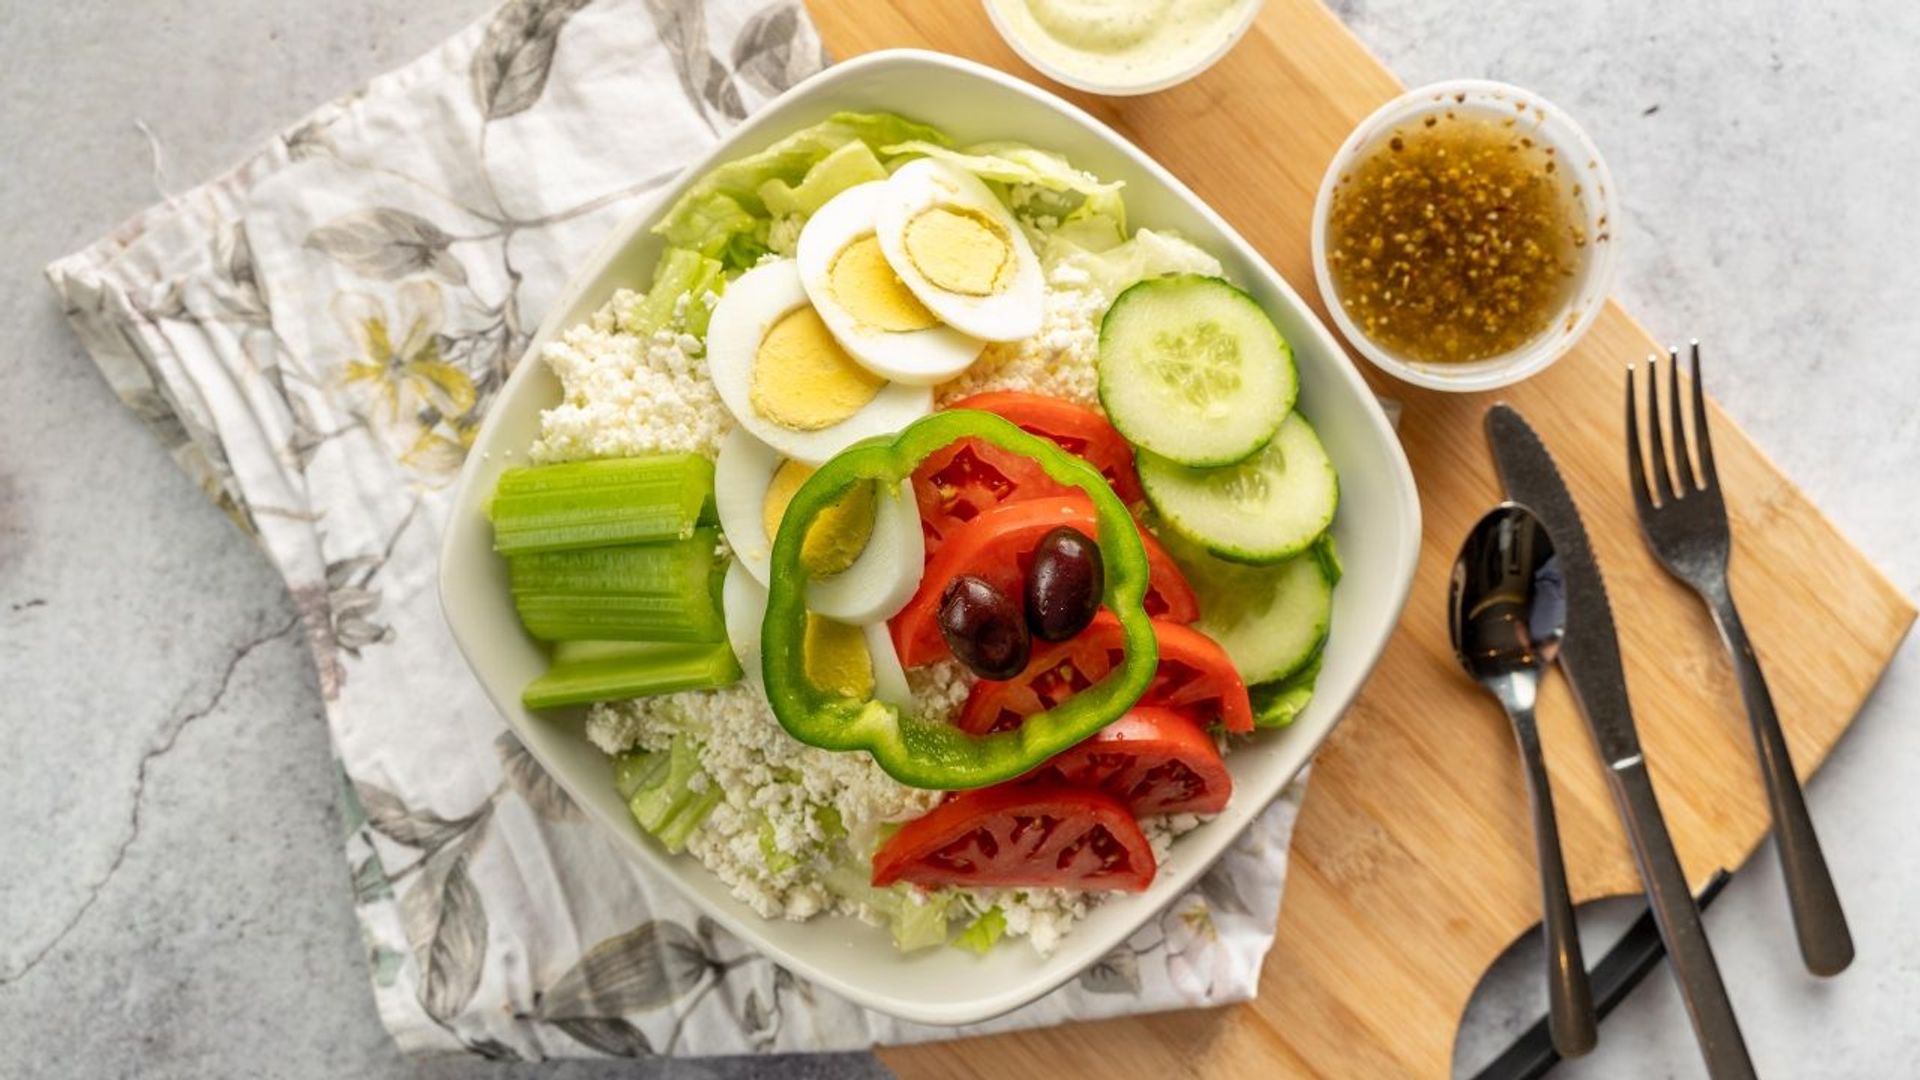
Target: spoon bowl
x,y
1507,614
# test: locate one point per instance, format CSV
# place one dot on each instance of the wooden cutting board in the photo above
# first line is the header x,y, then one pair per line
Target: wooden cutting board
x,y
1412,867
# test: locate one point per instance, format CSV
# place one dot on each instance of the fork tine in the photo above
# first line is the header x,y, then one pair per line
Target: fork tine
x,y
1702,438
1656,441
1677,417
1636,467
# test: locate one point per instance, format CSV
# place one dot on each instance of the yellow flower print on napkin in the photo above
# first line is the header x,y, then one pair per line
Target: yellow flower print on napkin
x,y
425,409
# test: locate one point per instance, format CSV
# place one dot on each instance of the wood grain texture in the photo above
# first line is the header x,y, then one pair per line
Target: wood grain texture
x,y
1411,869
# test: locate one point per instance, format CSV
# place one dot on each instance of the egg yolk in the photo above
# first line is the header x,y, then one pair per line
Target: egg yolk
x,y
864,284
838,535
803,380
836,658
960,250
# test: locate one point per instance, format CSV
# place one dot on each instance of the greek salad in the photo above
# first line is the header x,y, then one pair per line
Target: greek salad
x,y
923,537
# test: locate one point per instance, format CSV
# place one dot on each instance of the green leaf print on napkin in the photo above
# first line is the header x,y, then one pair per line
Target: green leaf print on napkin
x,y
510,67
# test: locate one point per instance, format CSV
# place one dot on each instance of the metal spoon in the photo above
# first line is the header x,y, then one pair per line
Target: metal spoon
x,y
1507,613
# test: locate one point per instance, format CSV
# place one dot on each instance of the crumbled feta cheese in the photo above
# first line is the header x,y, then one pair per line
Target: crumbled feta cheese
x,y
770,780
939,689
1060,361
625,395
1042,916
1163,829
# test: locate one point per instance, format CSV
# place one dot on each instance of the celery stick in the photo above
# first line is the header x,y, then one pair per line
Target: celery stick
x,y
635,592
659,669
583,504
568,652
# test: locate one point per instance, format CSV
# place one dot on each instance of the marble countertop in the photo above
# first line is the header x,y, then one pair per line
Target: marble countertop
x,y
174,902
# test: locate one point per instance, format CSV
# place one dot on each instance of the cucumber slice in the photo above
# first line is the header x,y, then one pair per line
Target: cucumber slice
x,y
1264,510
1278,704
1192,370
1271,620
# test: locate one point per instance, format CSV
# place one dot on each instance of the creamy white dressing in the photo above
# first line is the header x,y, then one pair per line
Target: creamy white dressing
x,y
1121,44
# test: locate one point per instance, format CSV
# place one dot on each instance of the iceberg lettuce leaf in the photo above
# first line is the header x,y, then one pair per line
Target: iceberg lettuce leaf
x,y
667,792
680,272
1277,704
984,932
722,215
1146,254
1036,179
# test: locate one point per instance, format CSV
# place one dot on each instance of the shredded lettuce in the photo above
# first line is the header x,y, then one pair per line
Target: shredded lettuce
x,y
1147,254
791,206
660,790
680,272
1094,234
917,919
1041,184
851,164
921,921
724,216
777,861
984,932
831,825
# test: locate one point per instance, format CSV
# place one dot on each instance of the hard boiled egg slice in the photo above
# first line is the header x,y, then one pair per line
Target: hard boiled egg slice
x,y
743,605
860,661
785,379
960,251
865,555
870,310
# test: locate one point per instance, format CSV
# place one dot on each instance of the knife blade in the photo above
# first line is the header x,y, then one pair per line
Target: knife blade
x,y
1590,659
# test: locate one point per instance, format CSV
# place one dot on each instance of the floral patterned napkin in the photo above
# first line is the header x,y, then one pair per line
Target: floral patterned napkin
x,y
315,337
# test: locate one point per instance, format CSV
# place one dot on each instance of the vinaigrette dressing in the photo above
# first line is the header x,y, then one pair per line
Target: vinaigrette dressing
x,y
1456,237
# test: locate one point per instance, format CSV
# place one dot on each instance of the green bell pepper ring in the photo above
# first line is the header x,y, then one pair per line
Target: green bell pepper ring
x,y
933,753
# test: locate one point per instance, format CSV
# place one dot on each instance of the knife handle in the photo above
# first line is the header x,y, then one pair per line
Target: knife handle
x,y
1688,952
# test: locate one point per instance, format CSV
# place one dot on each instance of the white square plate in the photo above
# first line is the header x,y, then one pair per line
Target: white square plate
x,y
1378,529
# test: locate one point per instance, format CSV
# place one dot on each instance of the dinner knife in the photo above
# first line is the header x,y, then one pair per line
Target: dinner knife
x,y
1590,657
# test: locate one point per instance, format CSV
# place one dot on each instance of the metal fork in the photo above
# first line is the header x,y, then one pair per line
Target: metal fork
x,y
1684,519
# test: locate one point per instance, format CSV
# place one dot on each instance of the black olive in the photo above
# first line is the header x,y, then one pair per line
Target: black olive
x,y
983,628
1064,585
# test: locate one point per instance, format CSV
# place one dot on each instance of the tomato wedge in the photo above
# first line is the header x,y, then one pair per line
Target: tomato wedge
x,y
1153,759
998,546
1195,678
1077,429
957,484
1020,835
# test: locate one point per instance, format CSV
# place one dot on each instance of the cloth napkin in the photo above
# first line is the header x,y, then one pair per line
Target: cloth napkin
x,y
315,336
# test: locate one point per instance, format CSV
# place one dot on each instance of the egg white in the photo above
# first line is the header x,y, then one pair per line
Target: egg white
x,y
883,577
750,307
744,604
917,357
1011,314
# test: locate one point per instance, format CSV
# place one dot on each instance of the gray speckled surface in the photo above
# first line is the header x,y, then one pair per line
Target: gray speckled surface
x,y
174,902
